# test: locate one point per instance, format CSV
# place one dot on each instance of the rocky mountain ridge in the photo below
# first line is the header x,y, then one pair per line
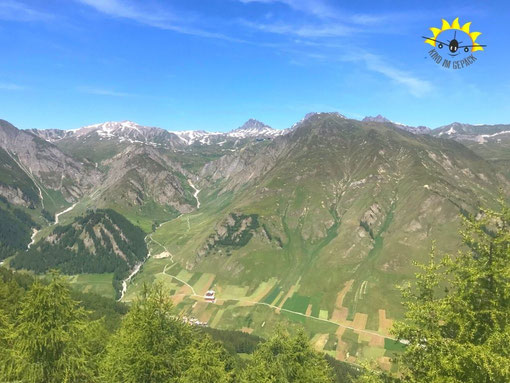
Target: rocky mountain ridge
x,y
480,133
131,132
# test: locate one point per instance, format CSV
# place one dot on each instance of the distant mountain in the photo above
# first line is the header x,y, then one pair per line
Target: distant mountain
x,y
255,128
384,120
190,137
311,115
127,131
479,133
131,132
51,135
140,175
491,142
377,118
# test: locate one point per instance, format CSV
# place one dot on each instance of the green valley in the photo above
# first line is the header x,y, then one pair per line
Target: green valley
x,y
314,228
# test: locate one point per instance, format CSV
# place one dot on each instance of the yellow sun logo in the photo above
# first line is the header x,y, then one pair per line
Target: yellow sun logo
x,y
453,45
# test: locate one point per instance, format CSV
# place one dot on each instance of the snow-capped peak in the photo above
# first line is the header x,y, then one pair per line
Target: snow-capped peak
x,y
111,128
129,131
254,128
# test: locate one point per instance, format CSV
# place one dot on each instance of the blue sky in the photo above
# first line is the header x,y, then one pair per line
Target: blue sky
x,y
212,64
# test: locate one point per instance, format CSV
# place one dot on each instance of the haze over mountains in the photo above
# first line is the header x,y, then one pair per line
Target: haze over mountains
x,y
331,207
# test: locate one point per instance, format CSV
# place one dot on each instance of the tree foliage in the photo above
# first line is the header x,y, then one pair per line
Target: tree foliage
x,y
457,323
285,358
154,345
15,230
48,336
51,338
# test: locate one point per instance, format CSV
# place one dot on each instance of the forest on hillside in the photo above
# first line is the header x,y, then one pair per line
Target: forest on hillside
x,y
101,241
15,229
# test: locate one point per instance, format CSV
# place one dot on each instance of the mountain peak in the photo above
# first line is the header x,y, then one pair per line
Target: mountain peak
x,y
377,118
312,114
126,124
384,120
253,124
254,128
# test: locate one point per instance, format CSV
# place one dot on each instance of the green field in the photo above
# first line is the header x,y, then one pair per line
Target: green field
x,y
297,303
94,283
272,295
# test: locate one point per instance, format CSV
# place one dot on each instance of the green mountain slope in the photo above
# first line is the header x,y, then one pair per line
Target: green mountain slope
x,y
343,209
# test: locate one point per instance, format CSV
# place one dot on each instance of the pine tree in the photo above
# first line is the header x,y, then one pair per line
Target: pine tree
x,y
207,362
287,359
154,345
5,330
458,311
48,341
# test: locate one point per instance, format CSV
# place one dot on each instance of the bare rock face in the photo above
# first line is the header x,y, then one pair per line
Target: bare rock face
x,y
15,196
243,166
141,173
51,135
372,215
45,162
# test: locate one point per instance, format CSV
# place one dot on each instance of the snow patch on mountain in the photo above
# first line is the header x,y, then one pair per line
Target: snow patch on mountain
x,y
189,137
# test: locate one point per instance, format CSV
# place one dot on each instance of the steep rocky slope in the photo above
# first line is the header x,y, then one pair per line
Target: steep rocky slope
x,y
46,165
140,174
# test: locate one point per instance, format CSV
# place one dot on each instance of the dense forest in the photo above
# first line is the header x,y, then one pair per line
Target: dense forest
x,y
102,241
15,229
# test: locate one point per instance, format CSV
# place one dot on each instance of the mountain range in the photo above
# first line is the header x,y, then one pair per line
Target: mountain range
x,y
320,220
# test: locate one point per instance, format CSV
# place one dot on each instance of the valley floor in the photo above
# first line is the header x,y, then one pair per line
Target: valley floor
x,y
259,311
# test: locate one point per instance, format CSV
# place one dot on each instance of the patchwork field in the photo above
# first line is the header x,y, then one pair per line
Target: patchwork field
x,y
258,310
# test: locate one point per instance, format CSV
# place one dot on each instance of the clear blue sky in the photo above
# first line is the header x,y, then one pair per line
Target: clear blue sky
x,y
212,64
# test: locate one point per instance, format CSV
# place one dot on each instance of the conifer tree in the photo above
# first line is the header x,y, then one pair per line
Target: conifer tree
x,y
207,362
458,312
287,359
154,345
48,341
